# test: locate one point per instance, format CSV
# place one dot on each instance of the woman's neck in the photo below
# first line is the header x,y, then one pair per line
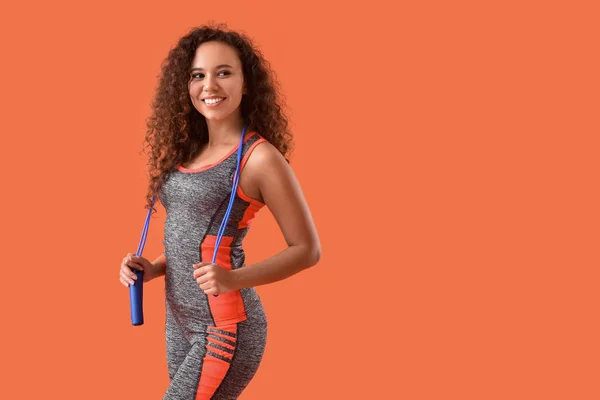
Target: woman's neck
x,y
225,131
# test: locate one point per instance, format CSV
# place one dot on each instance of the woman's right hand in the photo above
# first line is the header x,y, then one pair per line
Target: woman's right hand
x,y
132,262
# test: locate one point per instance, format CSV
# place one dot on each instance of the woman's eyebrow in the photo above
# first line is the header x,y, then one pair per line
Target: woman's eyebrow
x,y
218,66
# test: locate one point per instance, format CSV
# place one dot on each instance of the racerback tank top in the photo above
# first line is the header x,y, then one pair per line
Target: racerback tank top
x,y
196,201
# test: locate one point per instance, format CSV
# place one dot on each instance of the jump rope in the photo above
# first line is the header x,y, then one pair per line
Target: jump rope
x,y
136,291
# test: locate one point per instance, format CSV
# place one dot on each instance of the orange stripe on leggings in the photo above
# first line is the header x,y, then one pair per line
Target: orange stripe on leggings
x,y
220,352
226,308
220,343
213,371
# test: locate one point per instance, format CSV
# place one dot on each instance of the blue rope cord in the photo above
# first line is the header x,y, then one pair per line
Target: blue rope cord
x,y
136,290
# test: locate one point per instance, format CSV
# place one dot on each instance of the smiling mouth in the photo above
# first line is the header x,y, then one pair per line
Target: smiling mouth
x,y
214,100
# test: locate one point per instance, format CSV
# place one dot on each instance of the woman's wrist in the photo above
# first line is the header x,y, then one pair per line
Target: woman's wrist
x,y
159,266
235,280
275,268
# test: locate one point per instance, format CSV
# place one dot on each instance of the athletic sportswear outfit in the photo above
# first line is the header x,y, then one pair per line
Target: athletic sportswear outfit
x,y
214,343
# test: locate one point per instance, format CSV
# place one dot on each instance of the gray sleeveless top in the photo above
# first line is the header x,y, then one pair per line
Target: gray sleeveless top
x,y
195,201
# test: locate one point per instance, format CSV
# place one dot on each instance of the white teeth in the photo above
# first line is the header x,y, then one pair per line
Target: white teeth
x,y
213,101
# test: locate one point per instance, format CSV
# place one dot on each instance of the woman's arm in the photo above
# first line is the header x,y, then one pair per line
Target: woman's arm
x,y
160,266
268,177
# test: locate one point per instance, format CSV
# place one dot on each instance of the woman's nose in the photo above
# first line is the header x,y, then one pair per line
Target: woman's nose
x,y
210,83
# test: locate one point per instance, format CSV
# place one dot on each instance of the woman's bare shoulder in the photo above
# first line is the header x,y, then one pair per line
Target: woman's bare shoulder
x,y
264,155
265,166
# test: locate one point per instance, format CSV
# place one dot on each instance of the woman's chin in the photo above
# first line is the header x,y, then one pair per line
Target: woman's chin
x,y
217,116
214,116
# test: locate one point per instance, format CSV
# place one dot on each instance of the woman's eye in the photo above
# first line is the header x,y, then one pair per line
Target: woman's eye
x,y
200,75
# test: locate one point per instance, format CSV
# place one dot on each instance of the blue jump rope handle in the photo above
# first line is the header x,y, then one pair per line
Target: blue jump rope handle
x,y
136,299
136,291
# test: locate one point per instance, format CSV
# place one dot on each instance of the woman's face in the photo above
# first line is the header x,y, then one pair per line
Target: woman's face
x,y
216,81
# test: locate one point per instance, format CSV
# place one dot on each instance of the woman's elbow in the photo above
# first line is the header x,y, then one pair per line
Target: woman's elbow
x,y
314,255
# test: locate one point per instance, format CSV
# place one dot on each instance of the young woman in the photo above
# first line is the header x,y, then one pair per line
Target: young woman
x,y
216,92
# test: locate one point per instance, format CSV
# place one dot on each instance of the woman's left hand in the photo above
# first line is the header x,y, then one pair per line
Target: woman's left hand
x,y
213,279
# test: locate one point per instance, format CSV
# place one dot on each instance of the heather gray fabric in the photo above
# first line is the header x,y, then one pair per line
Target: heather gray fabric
x,y
185,358
195,204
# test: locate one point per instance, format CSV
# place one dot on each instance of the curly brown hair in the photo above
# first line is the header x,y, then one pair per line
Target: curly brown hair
x,y
176,131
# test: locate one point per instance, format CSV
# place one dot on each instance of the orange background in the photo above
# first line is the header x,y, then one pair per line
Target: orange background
x,y
448,152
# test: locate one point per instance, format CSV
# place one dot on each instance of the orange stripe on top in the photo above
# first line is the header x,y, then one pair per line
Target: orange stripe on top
x,y
249,214
255,205
226,308
205,167
240,192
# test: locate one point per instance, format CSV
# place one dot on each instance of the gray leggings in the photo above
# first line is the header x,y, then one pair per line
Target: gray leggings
x,y
216,363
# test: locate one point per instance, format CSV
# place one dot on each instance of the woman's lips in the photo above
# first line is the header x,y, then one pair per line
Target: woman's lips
x,y
214,101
